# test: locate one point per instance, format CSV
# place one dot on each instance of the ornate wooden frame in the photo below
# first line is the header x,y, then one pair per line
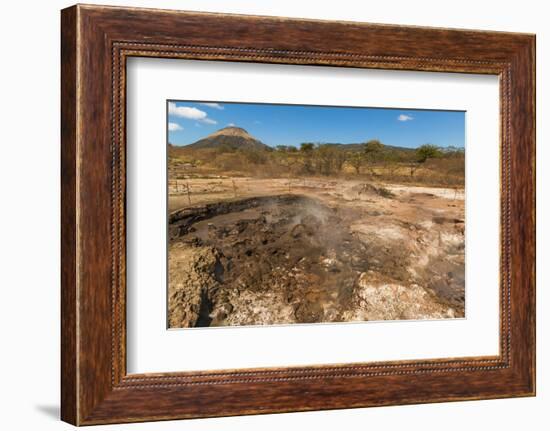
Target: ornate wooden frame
x,y
95,42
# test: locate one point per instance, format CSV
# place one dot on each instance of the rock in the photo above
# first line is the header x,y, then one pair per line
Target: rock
x,y
192,277
381,301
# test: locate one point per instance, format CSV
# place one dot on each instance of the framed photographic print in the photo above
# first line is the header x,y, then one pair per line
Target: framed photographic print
x,y
286,215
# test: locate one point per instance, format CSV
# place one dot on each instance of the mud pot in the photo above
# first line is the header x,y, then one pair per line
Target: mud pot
x,y
297,258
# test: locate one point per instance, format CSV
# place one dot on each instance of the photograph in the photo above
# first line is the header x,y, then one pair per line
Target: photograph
x,y
298,214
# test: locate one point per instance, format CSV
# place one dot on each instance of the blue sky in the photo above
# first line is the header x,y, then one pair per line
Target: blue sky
x,y
293,124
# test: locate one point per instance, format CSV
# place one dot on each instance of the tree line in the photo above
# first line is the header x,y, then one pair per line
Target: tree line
x,y
372,157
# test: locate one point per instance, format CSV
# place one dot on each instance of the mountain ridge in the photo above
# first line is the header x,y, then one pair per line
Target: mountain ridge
x,y
238,138
231,137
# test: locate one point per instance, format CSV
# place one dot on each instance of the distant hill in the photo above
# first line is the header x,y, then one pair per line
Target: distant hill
x,y
234,138
360,147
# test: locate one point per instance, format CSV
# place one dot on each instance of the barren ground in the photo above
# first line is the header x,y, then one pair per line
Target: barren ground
x,y
249,251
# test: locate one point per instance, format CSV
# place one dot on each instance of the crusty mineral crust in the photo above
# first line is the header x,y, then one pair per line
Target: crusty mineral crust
x,y
359,253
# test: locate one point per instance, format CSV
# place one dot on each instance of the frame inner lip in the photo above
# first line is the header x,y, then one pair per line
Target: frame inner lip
x,y
123,49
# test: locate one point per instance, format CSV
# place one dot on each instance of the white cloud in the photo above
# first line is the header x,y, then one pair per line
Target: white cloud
x,y
231,125
174,127
189,113
213,105
404,117
186,112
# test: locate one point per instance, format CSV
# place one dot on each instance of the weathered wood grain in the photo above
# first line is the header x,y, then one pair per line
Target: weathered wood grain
x,y
69,366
